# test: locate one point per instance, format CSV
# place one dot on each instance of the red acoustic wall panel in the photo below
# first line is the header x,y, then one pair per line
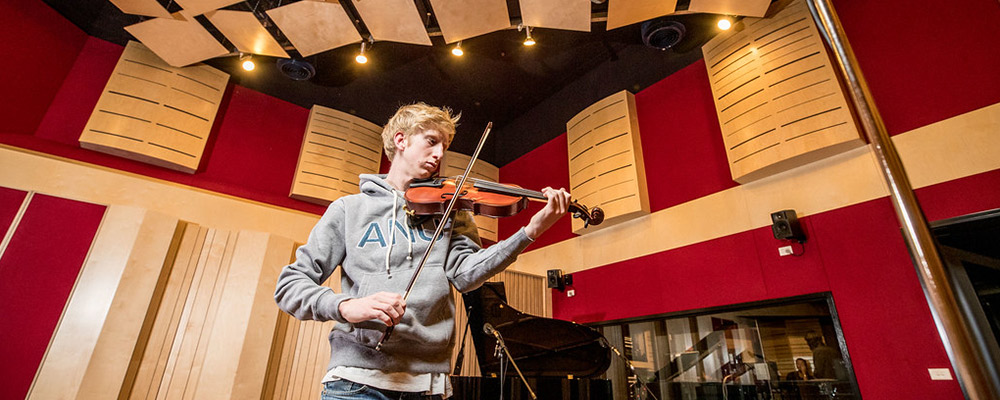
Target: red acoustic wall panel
x,y
886,320
10,203
76,99
961,196
254,153
37,273
707,274
925,63
787,276
32,33
548,165
682,151
682,146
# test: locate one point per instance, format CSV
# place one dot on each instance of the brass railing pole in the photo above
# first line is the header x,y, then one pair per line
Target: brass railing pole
x,y
955,330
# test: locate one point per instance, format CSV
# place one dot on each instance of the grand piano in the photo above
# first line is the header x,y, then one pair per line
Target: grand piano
x,y
559,359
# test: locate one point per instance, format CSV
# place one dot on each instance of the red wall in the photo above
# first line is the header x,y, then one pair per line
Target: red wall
x,y
29,78
546,166
10,202
924,64
925,61
37,273
680,139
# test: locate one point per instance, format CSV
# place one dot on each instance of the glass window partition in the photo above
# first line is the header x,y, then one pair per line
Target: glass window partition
x,y
784,349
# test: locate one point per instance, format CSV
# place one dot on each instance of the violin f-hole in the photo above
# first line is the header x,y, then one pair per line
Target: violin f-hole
x,y
444,196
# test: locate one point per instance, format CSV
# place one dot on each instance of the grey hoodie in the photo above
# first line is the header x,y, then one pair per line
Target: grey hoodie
x,y
377,255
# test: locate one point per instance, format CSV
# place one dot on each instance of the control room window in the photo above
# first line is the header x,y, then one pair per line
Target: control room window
x,y
785,349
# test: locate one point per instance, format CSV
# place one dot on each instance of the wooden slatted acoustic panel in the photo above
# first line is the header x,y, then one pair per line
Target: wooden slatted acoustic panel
x,y
165,309
777,96
605,161
154,113
454,165
336,148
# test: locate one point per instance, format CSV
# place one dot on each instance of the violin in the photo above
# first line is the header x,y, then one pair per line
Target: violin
x,y
491,199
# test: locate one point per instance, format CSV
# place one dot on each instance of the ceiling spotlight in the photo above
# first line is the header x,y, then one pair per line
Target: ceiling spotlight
x,y
361,58
725,23
528,40
457,50
247,63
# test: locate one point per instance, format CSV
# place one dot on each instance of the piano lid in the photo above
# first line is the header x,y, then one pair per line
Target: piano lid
x,y
541,347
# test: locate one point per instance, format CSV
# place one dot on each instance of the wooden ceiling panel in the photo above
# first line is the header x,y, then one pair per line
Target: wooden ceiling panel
x,y
315,26
149,8
752,8
557,14
162,35
621,12
462,19
192,8
393,21
246,33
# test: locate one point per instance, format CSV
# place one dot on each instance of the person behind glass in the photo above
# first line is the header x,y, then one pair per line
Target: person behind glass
x,y
825,357
802,371
377,246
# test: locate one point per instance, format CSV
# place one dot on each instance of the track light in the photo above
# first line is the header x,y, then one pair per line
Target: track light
x,y
528,40
361,58
725,23
247,62
457,50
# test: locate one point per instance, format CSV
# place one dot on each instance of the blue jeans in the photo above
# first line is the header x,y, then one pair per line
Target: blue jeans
x,y
346,390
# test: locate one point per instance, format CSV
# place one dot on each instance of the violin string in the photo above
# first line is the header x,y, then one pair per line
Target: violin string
x,y
506,189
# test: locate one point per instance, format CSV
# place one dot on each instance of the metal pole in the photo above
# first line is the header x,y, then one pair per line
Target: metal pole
x,y
955,330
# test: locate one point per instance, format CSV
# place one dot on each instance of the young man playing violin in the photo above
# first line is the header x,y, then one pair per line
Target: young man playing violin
x,y
377,246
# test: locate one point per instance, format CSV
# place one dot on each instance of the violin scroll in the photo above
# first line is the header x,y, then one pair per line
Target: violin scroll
x,y
593,216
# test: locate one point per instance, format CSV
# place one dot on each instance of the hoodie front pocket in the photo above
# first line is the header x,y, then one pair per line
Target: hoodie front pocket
x,y
428,308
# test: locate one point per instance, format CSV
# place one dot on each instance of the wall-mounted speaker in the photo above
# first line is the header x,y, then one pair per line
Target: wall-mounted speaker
x,y
785,225
554,278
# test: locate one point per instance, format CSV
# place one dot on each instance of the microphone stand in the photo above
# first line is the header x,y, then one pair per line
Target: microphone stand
x,y
628,363
490,331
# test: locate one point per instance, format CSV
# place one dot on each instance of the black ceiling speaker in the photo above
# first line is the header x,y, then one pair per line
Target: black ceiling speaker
x,y
298,70
662,33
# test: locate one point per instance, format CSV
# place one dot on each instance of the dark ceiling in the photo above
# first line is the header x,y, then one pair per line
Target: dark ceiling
x,y
527,92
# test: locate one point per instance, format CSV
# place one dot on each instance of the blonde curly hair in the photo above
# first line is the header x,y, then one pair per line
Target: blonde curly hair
x,y
416,117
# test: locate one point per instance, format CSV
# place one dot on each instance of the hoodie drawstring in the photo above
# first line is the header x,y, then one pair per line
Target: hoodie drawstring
x,y
392,235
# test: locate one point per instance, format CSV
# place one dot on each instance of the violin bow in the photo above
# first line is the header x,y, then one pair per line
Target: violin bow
x,y
440,227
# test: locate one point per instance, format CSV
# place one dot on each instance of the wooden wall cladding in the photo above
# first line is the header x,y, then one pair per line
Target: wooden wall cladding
x,y
154,113
168,309
336,148
165,309
605,160
454,165
777,95
299,356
